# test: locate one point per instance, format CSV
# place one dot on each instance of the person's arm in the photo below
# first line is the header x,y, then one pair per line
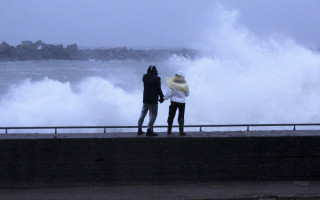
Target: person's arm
x,y
160,93
187,93
143,78
168,95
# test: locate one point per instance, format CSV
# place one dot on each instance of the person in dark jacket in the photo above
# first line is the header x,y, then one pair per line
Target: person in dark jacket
x,y
152,93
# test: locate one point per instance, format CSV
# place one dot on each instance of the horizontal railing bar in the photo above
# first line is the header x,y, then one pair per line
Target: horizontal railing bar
x,y
159,126
240,125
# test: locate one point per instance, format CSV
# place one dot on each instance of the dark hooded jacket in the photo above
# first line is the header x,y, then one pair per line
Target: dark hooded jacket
x,y
152,86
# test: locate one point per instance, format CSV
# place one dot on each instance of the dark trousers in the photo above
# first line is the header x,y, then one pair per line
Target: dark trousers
x,y
172,112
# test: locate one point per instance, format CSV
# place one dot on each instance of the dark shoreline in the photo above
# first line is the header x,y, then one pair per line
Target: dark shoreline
x,y
39,50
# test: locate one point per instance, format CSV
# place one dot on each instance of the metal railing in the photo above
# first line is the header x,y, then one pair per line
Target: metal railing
x,y
247,126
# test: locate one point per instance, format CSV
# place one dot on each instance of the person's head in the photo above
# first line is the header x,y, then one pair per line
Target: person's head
x,y
180,73
152,70
179,77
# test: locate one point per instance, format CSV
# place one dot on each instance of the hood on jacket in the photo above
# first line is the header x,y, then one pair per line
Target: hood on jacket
x,y
152,70
177,82
180,73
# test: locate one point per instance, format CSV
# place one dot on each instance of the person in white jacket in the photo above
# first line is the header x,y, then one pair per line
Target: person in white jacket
x,y
178,92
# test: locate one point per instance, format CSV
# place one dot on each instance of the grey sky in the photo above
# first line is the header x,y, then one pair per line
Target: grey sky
x,y
149,23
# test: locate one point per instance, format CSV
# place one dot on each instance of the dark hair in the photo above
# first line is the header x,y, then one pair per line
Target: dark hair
x,y
152,70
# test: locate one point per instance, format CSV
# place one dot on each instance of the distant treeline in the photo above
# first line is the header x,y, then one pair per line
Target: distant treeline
x,y
39,50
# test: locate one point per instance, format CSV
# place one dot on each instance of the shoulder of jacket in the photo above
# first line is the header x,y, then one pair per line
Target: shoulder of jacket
x,y
158,78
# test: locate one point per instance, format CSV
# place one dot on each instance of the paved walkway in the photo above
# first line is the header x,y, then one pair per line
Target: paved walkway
x,y
217,190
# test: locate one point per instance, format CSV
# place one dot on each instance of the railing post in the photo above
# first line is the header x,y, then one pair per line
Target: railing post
x,y
104,130
294,127
6,131
200,129
248,128
55,130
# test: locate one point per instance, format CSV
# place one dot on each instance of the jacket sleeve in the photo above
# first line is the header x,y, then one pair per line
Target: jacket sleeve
x,y
168,95
143,78
160,93
187,93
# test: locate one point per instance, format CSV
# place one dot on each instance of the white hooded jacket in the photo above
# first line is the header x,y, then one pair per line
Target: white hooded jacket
x,y
179,88
176,95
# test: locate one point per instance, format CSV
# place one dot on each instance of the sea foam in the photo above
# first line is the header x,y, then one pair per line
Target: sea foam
x,y
240,78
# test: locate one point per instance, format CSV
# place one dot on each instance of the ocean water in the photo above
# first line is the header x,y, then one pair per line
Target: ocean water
x,y
240,78
74,93
74,72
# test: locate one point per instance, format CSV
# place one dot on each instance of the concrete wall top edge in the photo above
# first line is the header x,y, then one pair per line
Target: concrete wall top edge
x,y
133,135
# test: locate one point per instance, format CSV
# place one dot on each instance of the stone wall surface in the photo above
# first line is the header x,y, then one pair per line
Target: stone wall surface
x,y
160,159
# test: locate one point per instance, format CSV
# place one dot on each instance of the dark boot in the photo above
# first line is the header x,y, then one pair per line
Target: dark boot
x,y
169,129
140,132
181,131
151,133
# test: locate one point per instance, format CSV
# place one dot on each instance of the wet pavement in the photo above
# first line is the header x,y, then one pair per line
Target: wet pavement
x,y
180,191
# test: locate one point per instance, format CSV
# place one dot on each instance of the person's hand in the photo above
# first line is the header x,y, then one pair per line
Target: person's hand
x,y
161,100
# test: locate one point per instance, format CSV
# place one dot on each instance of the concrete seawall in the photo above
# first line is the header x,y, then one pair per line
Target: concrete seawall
x,y
80,159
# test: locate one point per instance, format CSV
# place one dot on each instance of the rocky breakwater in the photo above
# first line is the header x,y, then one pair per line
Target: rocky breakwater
x,y
28,50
